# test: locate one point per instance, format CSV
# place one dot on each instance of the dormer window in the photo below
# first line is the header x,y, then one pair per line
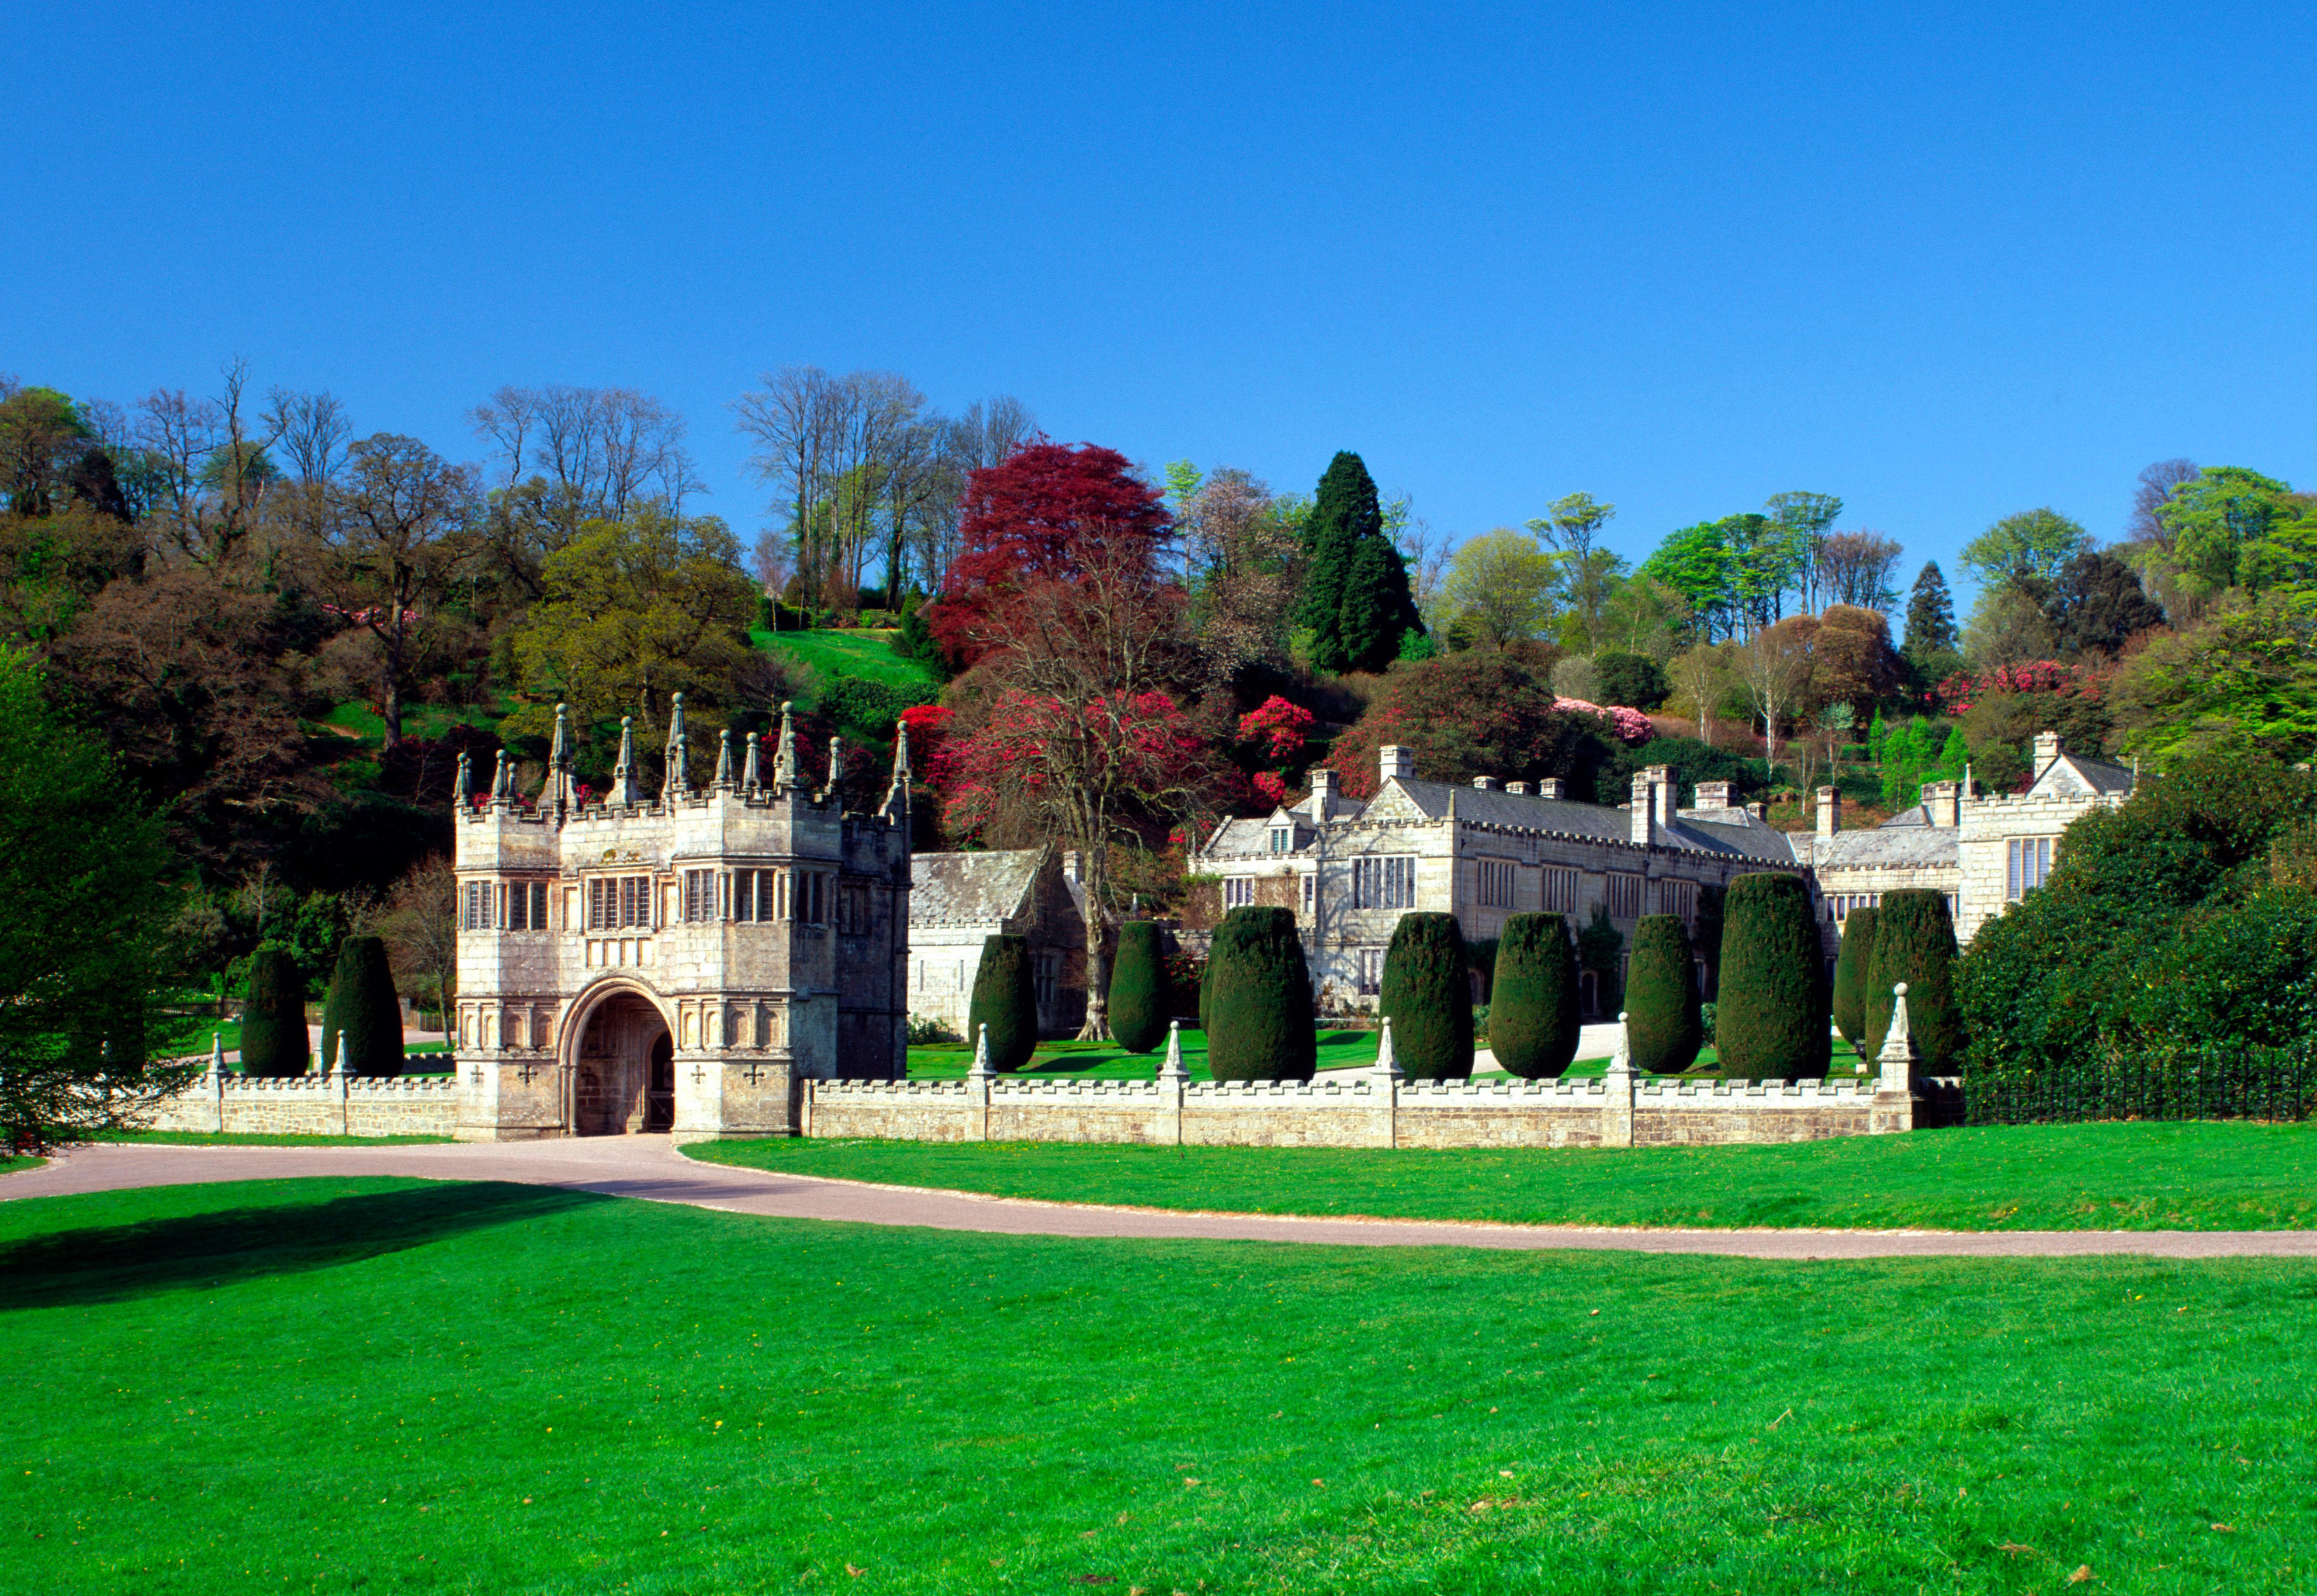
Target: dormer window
x,y
1282,839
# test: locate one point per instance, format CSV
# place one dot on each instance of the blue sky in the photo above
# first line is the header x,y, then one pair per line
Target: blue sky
x,y
1947,265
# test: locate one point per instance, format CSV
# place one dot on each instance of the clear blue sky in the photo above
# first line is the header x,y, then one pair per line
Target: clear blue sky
x,y
1947,266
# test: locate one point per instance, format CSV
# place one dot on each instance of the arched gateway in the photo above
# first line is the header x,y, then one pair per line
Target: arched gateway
x,y
678,965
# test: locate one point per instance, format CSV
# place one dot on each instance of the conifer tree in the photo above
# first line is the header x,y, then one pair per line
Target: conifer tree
x,y
1661,1021
369,1018
1533,1006
1850,978
274,1016
1930,615
1377,609
1428,995
1005,1000
1353,576
1915,942
1769,1022
1139,1006
1256,1000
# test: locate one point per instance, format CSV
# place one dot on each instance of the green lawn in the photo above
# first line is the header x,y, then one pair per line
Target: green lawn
x,y
849,651
359,1386
418,719
10,1160
2216,1175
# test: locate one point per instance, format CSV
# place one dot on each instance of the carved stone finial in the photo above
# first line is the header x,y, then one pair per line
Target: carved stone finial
x,y
836,763
724,760
678,783
1387,1064
625,793
784,758
981,1054
462,787
1171,1067
1896,1061
1621,1062
751,780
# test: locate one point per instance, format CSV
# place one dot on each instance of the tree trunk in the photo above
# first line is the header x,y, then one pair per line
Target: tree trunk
x,y
1098,971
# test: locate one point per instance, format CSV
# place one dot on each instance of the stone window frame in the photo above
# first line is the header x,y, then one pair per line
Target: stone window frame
x,y
1558,892
2027,865
1238,891
1495,882
1383,881
1623,894
621,900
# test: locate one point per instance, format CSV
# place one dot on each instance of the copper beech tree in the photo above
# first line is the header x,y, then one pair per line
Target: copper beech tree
x,y
1071,727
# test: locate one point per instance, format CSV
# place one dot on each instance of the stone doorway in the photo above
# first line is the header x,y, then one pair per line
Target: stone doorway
x,y
625,1078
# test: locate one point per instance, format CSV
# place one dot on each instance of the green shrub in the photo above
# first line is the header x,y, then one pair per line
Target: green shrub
x,y
1428,995
1770,1021
1005,1000
1850,978
1633,680
1256,1001
1533,1005
1915,942
1140,1007
274,1016
369,1019
1661,997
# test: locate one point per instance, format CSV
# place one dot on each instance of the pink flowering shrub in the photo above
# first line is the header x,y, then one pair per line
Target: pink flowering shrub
x,y
1628,726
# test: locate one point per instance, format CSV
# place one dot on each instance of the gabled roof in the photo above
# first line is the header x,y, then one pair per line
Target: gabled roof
x,y
1742,837
1921,847
2072,775
973,888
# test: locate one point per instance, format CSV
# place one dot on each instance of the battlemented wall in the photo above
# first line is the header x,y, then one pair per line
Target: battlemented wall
x,y
1617,1110
334,1104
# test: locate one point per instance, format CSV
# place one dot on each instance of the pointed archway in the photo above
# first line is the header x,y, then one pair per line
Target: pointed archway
x,y
623,1074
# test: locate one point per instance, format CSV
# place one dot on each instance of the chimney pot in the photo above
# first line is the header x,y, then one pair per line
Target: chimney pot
x,y
1755,809
1486,784
1552,787
1714,794
1323,793
1397,761
1520,787
2047,748
1830,811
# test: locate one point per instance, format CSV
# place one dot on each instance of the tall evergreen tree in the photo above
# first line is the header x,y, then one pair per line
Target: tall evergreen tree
x,y
1356,602
1930,615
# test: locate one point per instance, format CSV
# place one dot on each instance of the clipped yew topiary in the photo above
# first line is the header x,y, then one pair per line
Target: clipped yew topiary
x,y
1533,1008
1005,1000
369,1019
1661,997
1769,1020
1139,999
1915,942
1256,1000
1428,995
274,1016
1851,979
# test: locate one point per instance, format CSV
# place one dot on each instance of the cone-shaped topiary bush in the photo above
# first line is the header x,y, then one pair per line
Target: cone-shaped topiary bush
x,y
274,1016
333,1013
1257,1000
1915,942
1532,1013
370,1020
1005,1000
1851,979
1428,995
1661,997
1770,1021
1139,1001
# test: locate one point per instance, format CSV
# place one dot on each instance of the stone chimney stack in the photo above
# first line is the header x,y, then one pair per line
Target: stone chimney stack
x,y
1830,811
1665,797
1643,809
1394,761
1519,787
1323,793
1486,784
1552,787
1714,794
1755,809
2047,748
1942,802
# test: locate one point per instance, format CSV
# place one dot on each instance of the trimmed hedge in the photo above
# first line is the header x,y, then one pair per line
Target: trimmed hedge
x,y
1662,997
1005,1000
1139,1004
1770,1020
1428,995
1533,1008
333,1008
274,1016
369,1019
1851,979
1915,942
1255,1002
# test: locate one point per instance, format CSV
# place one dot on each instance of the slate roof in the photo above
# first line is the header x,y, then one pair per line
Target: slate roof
x,y
971,889
2071,773
1741,836
1895,847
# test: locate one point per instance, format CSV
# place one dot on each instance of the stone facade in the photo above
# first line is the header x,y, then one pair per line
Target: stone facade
x,y
678,964
957,901
1349,870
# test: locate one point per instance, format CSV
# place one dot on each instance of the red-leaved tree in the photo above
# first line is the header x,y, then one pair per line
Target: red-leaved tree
x,y
1061,603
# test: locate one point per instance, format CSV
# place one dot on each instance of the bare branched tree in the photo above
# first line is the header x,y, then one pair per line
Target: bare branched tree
x,y
600,451
1856,567
1774,665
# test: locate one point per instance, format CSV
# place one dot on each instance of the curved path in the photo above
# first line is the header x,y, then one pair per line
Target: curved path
x,y
650,1168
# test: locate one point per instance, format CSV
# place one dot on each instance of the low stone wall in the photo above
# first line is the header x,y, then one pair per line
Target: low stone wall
x,y
1617,1110
334,1104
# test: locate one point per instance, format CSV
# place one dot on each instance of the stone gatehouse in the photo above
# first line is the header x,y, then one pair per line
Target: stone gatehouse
x,y
679,964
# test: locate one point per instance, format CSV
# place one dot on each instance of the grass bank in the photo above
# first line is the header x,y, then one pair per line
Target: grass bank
x,y
849,651
2216,1175
341,1385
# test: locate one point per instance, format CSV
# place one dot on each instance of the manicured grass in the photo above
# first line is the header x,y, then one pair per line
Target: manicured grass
x,y
13,1160
2218,1175
848,651
340,1385
184,1035
418,719
1107,1060
257,1139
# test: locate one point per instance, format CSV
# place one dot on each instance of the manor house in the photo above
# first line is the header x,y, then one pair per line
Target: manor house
x,y
679,964
1349,870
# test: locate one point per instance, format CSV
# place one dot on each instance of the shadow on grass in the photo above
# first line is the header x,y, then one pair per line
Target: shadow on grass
x,y
113,1263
